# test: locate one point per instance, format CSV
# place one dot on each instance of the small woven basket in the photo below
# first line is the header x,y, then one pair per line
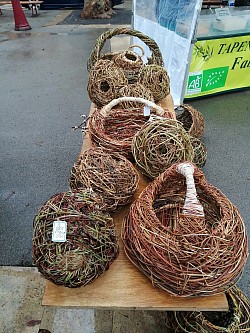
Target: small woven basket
x,y
200,152
159,144
114,129
105,81
126,65
108,174
185,235
191,119
235,320
156,79
91,243
130,62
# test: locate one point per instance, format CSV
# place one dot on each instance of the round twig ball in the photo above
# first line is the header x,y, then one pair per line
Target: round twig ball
x,y
108,174
91,243
181,252
236,319
134,90
200,151
105,81
191,119
159,144
156,79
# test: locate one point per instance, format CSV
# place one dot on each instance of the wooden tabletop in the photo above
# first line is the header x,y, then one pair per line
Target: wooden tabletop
x,y
123,286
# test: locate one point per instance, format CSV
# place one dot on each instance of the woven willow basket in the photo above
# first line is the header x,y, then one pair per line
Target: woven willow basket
x,y
159,144
200,151
108,174
185,235
102,83
114,128
235,320
191,119
91,243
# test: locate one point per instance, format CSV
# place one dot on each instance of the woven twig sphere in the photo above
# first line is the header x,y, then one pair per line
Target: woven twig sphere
x,y
134,90
181,252
114,129
105,81
108,174
91,242
200,152
160,144
191,119
130,62
156,79
235,320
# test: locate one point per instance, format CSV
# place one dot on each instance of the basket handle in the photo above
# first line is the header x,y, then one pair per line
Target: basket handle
x,y
192,206
156,57
139,47
159,110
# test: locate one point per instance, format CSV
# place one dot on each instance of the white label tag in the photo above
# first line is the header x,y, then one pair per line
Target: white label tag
x,y
146,111
154,117
222,13
59,231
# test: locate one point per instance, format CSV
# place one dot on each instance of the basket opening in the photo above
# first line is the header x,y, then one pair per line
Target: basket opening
x,y
184,116
131,56
104,86
222,319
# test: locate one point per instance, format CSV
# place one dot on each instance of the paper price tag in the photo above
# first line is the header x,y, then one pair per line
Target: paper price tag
x,y
222,13
59,231
146,111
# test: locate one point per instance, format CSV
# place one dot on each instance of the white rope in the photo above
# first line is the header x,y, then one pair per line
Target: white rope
x,y
192,206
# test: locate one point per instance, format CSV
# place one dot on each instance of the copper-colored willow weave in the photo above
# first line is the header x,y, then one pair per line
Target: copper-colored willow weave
x,y
108,174
114,128
91,242
235,320
181,253
191,119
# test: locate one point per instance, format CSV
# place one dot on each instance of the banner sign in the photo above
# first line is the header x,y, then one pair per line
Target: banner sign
x,y
218,65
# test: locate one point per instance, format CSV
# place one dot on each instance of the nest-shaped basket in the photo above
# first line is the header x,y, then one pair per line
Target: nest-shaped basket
x,y
129,63
200,151
108,174
191,119
235,320
114,129
105,81
159,144
156,79
185,235
91,243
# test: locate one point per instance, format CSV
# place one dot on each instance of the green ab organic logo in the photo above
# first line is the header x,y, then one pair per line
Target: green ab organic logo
x,y
206,80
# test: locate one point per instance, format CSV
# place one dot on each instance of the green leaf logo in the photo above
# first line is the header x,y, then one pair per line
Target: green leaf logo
x,y
214,78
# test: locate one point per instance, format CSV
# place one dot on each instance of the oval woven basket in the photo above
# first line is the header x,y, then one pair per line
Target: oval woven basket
x,y
235,320
108,174
91,243
159,144
156,79
156,56
191,119
185,235
114,129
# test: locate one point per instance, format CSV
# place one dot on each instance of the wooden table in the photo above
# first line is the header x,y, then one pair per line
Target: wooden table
x,y
123,286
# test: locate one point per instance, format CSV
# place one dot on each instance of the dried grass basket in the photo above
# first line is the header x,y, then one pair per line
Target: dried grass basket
x,y
126,65
159,144
108,174
235,320
191,119
114,128
200,152
91,242
185,235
